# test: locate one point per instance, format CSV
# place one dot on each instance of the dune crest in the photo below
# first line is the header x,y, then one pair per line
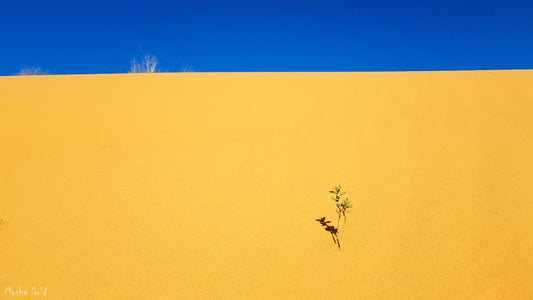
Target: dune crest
x,y
213,185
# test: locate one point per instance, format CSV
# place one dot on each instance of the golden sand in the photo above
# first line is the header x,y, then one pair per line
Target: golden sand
x,y
209,185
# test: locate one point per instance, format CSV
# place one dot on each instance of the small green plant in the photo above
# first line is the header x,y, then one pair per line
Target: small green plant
x,y
342,208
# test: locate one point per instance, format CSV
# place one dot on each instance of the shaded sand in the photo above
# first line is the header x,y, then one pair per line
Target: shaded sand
x,y
209,185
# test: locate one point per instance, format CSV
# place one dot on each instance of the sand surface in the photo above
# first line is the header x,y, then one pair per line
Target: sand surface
x,y
194,186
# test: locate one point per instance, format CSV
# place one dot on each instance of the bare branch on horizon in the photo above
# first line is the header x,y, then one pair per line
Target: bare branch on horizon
x,y
32,71
147,65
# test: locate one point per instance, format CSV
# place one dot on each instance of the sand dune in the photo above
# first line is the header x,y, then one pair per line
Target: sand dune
x,y
191,186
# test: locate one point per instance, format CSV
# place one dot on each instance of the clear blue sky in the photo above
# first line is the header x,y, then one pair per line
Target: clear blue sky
x,y
79,37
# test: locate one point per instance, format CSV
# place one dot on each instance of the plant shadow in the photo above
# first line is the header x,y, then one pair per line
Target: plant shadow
x,y
331,229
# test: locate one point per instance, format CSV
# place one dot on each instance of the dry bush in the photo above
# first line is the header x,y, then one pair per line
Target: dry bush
x,y
147,65
30,71
187,68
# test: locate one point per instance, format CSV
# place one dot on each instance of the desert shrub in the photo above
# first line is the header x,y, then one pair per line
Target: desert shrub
x,y
29,71
187,68
147,64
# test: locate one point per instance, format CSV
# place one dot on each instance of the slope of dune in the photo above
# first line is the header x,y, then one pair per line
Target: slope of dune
x,y
187,186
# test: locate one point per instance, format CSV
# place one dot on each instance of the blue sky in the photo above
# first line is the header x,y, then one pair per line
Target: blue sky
x,y
85,37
